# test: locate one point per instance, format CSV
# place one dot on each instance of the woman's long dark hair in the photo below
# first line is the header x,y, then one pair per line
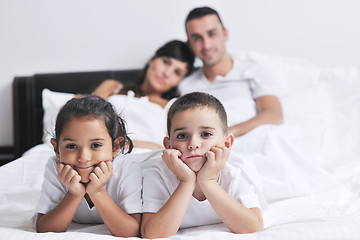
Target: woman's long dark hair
x,y
174,49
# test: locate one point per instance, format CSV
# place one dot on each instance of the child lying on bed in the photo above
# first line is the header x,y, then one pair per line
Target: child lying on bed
x,y
194,184
87,171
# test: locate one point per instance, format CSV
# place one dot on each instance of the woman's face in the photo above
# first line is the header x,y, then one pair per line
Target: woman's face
x,y
163,74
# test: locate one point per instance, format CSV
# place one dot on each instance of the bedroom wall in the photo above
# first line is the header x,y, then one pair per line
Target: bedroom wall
x,y
42,36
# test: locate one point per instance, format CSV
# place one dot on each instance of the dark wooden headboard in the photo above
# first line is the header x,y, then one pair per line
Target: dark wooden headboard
x,y
27,99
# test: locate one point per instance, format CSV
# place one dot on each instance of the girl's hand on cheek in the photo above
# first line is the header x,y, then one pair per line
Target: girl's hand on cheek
x,y
171,157
216,159
71,179
100,177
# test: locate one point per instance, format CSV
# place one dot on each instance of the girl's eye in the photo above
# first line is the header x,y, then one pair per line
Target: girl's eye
x,y
206,134
71,146
181,136
95,145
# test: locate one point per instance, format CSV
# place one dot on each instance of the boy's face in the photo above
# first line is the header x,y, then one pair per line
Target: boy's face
x,y
83,144
194,132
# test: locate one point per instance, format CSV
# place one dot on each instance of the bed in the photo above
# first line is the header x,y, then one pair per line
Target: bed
x,y
312,187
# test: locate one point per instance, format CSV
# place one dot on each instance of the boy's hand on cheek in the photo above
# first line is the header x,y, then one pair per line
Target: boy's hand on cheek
x,y
71,179
171,157
99,177
216,159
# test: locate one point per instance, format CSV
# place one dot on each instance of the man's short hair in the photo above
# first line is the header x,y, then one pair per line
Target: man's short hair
x,y
201,12
196,100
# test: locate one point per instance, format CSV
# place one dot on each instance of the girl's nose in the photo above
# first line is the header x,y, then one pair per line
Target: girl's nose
x,y
84,155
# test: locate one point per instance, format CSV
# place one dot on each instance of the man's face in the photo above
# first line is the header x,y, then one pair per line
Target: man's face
x,y
207,39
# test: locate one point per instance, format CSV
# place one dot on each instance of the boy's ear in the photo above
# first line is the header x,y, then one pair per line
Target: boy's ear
x,y
166,142
116,146
229,140
54,144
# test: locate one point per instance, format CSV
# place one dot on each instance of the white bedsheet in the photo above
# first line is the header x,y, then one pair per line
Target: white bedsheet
x,y
331,214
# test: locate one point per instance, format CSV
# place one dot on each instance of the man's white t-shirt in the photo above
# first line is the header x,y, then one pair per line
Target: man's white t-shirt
x,y
124,188
237,91
240,181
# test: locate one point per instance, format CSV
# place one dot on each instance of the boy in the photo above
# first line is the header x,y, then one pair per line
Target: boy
x,y
194,185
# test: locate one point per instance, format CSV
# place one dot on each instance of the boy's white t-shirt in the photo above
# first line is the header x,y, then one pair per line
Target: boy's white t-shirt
x,y
124,187
159,184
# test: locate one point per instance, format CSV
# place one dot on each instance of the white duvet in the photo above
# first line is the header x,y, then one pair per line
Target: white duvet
x,y
310,166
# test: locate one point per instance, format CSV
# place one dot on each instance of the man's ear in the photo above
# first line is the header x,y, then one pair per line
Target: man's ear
x,y
54,144
229,140
226,33
116,146
166,142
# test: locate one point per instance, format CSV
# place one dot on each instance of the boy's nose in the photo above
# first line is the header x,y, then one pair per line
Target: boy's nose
x,y
194,144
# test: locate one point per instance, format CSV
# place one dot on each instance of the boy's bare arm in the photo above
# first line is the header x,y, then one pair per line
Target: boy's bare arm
x,y
235,216
166,222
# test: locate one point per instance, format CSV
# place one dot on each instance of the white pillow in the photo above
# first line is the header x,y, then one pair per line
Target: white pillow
x,y
52,102
144,120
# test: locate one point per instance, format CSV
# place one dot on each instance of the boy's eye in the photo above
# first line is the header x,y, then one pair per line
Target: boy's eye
x,y
71,146
206,134
95,145
181,136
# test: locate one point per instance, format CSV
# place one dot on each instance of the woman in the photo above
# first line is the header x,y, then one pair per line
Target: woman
x,y
158,81
159,78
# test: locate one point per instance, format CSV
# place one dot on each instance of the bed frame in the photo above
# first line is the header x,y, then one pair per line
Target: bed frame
x,y
27,99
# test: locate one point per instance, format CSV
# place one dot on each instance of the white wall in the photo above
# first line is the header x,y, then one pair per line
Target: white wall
x,y
41,36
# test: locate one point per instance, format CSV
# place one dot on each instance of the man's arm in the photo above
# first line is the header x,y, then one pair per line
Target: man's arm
x,y
269,111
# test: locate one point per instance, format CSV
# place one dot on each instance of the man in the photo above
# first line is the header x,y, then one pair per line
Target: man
x,y
245,88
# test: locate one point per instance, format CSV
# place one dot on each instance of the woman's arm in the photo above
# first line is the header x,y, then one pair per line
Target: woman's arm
x,y
107,88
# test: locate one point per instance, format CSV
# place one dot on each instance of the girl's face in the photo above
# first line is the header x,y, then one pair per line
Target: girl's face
x,y
83,144
163,74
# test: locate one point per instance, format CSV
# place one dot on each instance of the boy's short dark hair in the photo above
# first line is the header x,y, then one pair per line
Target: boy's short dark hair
x,y
195,100
201,12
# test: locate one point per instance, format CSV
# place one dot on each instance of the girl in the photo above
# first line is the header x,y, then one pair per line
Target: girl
x,y
87,182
